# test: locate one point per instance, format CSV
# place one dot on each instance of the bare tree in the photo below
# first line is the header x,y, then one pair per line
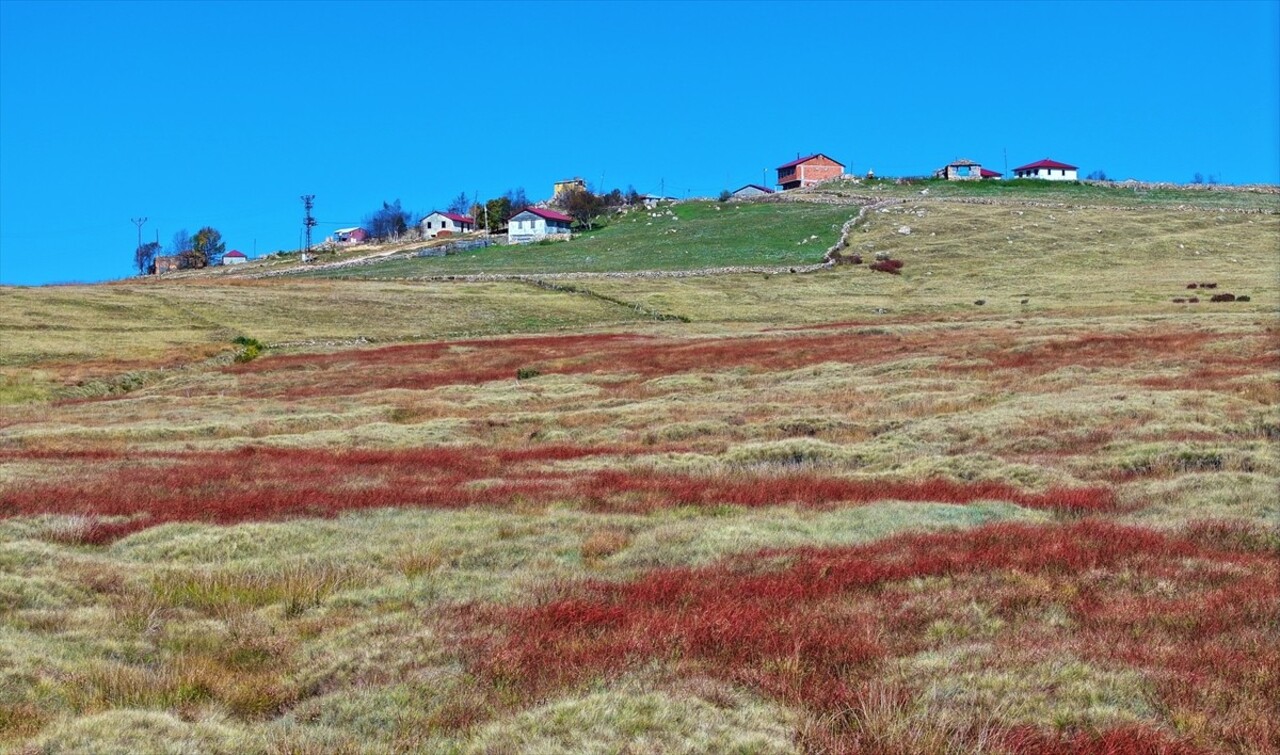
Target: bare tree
x,y
181,242
459,204
389,222
145,257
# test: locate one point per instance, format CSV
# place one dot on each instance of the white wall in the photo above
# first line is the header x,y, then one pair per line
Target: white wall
x,y
1051,174
526,227
439,223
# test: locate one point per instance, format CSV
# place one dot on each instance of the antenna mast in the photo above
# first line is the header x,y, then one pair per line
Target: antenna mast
x,y
308,201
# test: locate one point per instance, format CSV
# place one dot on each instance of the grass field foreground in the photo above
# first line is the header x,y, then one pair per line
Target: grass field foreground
x,y
531,520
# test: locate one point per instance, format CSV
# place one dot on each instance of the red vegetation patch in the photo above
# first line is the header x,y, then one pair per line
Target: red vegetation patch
x,y
887,266
811,626
651,491
471,362
259,484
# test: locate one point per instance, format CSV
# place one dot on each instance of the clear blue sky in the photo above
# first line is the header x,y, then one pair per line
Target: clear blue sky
x,y
223,113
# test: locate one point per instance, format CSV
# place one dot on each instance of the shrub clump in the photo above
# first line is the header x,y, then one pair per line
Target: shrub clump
x,y
1223,297
526,373
891,266
250,348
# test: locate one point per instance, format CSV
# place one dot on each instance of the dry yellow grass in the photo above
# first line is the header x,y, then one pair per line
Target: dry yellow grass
x,y
340,634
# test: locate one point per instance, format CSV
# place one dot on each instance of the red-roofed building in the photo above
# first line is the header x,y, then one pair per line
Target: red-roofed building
x,y
445,224
353,235
234,257
807,171
1049,170
537,223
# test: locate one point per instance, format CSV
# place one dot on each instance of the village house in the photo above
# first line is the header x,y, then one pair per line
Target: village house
x,y
807,171
537,223
749,191
965,170
568,185
1049,170
349,235
445,224
653,200
234,257
168,263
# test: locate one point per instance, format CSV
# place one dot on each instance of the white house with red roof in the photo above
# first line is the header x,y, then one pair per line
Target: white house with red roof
x,y
446,223
807,171
1049,170
537,223
234,257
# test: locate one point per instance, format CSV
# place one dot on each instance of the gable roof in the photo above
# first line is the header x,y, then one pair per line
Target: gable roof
x,y
1046,163
455,217
544,214
990,173
961,163
799,160
352,229
765,189
235,253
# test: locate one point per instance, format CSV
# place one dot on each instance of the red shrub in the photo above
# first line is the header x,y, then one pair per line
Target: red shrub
x,y
809,626
259,483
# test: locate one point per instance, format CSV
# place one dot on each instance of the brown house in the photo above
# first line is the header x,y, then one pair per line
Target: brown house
x,y
807,171
168,263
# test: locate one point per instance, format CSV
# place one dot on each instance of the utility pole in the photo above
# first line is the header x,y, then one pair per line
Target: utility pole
x,y
139,222
308,201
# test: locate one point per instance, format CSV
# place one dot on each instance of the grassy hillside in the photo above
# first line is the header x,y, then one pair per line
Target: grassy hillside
x,y
685,236
1106,195
843,512
1098,260
68,334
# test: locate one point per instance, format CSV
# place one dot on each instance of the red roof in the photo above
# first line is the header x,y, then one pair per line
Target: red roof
x,y
799,160
235,253
1045,163
546,214
990,173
